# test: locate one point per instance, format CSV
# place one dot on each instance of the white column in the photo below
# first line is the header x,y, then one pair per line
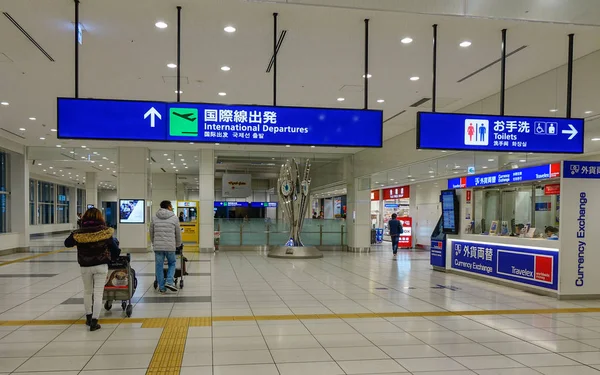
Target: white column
x,y
19,199
163,189
134,182
206,161
91,189
358,218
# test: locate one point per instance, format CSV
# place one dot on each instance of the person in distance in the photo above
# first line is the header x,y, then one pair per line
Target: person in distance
x,y
395,232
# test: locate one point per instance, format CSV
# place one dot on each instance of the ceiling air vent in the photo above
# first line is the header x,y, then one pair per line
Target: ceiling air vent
x,y
420,102
24,32
490,64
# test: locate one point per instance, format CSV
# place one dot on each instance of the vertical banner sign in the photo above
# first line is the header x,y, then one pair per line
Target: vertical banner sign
x,y
237,185
579,222
405,240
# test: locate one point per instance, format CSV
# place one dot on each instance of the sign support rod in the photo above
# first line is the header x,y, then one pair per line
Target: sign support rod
x,y
275,59
503,72
178,54
434,80
570,75
366,93
76,48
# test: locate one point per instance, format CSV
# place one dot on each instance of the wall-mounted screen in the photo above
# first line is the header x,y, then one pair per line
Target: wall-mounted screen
x,y
132,211
450,211
90,206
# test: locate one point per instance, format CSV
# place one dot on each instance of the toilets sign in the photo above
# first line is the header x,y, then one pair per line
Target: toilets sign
x,y
215,123
471,132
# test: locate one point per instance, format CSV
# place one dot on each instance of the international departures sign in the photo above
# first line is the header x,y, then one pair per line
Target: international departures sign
x,y
473,132
215,123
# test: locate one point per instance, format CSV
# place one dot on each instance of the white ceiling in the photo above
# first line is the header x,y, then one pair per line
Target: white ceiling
x,y
124,56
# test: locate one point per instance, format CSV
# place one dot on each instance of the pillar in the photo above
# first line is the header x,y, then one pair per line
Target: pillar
x,y
163,189
206,197
135,182
358,218
73,207
19,199
91,189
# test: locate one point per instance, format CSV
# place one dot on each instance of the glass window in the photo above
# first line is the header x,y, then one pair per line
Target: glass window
x,y
45,192
4,195
45,213
81,204
32,202
46,198
62,206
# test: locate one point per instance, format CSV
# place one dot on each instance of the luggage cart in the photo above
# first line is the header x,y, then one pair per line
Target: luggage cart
x,y
121,284
180,269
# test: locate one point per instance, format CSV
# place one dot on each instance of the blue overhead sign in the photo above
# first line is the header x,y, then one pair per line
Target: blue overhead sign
x,y
101,119
541,172
218,204
582,169
471,132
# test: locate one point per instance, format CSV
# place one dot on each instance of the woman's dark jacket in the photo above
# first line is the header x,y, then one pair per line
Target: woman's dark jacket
x,y
95,244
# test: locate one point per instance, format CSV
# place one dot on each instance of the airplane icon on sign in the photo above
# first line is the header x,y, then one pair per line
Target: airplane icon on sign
x,y
187,116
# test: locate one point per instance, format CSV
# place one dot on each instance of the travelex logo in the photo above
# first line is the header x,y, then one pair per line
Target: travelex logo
x,y
581,244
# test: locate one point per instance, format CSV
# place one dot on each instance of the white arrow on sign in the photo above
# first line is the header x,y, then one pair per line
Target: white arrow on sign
x,y
573,132
153,113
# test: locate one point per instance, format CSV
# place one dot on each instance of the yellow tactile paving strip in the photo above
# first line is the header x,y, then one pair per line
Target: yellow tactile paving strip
x,y
31,257
168,354
207,321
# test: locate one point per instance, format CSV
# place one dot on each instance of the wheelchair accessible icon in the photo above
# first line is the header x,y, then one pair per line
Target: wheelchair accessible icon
x,y
545,128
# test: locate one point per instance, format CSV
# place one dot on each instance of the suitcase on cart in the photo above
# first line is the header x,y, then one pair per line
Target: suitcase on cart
x,y
180,268
121,284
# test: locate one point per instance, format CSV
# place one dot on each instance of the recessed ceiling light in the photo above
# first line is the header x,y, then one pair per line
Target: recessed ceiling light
x,y
490,159
83,146
380,100
465,44
522,161
22,129
32,118
112,162
44,170
288,146
161,25
409,176
484,167
229,29
310,147
340,99
415,78
172,163
42,138
51,167
52,130
59,146
595,139
225,68
368,75
216,144
554,110
178,92
4,103
168,159
406,40
171,65
222,93
587,112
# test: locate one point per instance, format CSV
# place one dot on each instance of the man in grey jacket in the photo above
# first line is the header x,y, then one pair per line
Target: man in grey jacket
x,y
165,234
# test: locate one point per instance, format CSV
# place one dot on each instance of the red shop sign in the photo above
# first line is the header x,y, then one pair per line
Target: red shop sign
x,y
375,195
553,189
469,192
405,239
398,192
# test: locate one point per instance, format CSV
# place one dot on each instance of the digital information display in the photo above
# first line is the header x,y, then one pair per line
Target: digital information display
x,y
472,132
132,211
215,123
541,172
449,211
537,267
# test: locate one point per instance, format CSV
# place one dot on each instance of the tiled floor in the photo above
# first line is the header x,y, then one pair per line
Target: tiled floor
x,y
248,285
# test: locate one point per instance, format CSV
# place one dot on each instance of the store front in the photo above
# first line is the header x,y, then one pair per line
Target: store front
x,y
396,200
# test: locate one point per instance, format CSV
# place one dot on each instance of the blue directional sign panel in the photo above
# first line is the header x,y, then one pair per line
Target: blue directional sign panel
x,y
582,169
541,172
537,267
101,119
471,132
218,204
